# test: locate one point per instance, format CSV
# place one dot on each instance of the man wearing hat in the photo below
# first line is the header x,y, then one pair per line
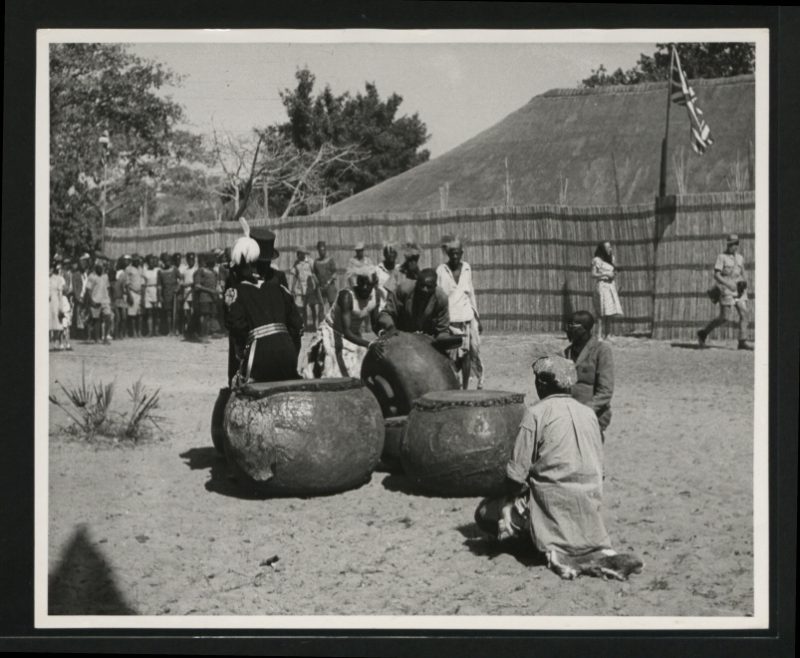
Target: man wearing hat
x,y
554,477
732,288
455,278
263,323
357,262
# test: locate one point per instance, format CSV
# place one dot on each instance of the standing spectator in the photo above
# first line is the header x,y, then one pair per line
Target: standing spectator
x,y
223,274
99,303
606,299
80,314
168,281
388,273
150,297
304,287
731,287
134,282
595,365
187,284
455,278
409,269
357,262
325,271
204,294
56,287
67,301
120,297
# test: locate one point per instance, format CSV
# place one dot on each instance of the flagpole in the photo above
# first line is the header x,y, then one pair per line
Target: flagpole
x,y
662,180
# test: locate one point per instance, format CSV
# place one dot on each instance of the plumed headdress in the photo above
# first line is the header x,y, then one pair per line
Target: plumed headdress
x,y
245,249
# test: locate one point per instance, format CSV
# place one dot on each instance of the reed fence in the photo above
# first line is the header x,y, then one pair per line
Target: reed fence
x,y
531,264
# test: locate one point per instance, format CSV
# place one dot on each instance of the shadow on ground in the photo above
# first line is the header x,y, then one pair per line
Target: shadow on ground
x,y
221,480
83,582
696,346
482,545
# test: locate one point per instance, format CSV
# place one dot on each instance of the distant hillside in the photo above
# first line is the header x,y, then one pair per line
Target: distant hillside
x,y
601,146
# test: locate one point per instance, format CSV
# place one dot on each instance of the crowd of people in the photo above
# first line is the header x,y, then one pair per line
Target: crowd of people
x,y
98,299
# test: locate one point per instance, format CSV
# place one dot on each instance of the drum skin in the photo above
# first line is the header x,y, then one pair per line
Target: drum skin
x,y
218,420
457,443
303,437
410,368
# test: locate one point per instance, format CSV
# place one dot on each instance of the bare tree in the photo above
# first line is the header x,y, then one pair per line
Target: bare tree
x,y
269,161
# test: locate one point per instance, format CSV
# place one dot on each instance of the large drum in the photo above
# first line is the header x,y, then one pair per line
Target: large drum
x,y
410,367
218,420
457,443
303,437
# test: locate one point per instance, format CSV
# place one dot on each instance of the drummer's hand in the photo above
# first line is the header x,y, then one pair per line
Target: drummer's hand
x,y
378,349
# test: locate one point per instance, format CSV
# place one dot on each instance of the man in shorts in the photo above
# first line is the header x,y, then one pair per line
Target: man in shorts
x,y
98,301
732,288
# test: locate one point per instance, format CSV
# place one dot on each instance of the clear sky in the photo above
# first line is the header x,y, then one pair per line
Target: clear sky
x,y
458,89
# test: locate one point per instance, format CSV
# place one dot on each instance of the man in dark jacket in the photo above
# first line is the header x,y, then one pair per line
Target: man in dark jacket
x,y
421,308
595,365
263,323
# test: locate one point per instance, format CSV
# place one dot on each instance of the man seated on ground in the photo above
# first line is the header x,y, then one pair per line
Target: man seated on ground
x,y
420,309
595,365
554,482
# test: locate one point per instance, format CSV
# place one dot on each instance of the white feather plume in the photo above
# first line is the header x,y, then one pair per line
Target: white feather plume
x,y
245,249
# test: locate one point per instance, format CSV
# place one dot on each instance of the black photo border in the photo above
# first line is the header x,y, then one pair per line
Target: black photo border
x,y
17,319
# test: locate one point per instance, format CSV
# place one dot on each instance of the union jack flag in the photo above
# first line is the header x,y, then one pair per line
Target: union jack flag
x,y
682,94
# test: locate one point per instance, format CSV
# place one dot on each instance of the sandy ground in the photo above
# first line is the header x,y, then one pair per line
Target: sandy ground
x,y
159,529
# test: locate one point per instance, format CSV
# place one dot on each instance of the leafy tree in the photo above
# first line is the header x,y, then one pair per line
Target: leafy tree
x,y
366,122
96,88
698,60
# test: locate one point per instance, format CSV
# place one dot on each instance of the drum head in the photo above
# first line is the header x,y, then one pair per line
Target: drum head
x,y
257,390
444,399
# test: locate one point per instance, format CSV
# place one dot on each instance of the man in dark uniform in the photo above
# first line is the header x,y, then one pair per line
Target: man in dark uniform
x,y
263,322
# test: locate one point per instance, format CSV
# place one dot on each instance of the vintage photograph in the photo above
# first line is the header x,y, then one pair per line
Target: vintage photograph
x,y
385,329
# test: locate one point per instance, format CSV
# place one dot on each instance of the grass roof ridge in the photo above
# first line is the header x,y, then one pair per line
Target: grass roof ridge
x,y
644,87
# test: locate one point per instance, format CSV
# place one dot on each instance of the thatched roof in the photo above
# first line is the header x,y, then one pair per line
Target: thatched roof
x,y
578,138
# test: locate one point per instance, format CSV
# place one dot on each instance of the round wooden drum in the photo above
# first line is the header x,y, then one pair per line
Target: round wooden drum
x,y
410,368
457,443
218,420
303,437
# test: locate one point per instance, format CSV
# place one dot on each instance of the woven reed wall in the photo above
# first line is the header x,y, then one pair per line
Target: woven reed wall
x,y
531,265
692,231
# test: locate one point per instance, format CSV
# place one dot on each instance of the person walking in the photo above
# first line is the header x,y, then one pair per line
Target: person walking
x,y
455,278
731,290
606,297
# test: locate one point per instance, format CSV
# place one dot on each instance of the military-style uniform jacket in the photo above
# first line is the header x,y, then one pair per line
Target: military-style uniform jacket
x,y
264,329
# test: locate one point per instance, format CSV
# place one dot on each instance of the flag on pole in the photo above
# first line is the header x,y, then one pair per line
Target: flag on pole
x,y
683,94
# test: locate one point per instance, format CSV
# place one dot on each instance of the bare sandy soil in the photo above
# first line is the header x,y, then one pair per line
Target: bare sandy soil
x,y
159,528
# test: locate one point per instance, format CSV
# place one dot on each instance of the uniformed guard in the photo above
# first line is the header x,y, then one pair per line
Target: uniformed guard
x,y
263,323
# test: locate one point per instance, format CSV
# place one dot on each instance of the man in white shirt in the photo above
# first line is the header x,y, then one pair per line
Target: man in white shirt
x,y
455,278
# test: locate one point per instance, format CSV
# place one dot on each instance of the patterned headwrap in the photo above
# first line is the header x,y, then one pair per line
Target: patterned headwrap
x,y
555,370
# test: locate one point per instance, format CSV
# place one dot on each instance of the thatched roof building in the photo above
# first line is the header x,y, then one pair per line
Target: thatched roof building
x,y
582,147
